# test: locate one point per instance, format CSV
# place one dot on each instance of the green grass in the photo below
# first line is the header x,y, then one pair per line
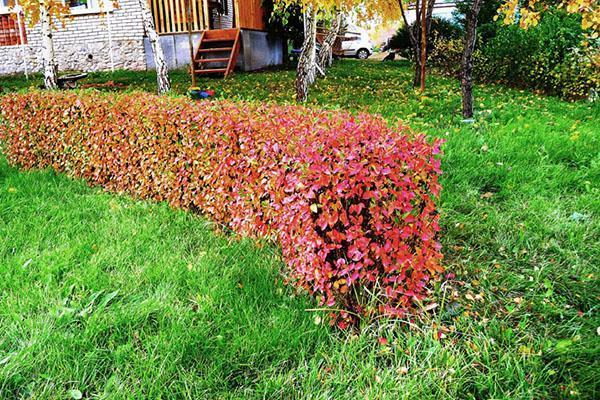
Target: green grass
x,y
118,298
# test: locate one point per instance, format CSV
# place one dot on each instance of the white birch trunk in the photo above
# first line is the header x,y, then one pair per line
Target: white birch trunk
x,y
48,60
325,58
162,71
305,74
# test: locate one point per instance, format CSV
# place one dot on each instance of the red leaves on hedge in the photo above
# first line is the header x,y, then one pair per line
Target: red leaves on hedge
x,y
349,199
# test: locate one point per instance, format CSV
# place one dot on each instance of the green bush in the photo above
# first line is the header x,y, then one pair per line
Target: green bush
x,y
549,57
440,29
446,55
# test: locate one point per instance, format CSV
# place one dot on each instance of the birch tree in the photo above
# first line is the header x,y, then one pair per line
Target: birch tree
x,y
325,57
160,63
365,9
46,13
50,66
306,70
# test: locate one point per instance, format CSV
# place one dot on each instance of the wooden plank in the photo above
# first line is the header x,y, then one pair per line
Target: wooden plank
x,y
236,6
205,14
214,49
211,71
170,15
212,60
154,8
178,18
197,52
234,54
221,34
162,28
249,14
194,15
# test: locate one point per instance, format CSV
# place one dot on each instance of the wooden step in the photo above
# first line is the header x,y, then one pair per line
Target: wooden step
x,y
217,40
214,49
209,60
221,34
211,71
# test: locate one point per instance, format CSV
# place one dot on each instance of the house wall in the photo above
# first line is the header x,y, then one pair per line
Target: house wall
x,y
260,50
83,43
224,21
251,14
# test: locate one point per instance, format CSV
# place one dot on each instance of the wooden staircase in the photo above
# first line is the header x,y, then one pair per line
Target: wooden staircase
x,y
217,52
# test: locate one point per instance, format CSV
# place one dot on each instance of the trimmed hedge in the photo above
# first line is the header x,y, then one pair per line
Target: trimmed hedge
x,y
349,199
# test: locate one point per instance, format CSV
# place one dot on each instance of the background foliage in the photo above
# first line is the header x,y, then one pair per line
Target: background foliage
x,y
554,57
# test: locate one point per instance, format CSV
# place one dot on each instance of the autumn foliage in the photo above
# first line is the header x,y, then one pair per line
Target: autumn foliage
x,y
350,200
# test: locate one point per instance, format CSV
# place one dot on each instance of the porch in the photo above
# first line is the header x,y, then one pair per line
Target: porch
x,y
170,16
257,49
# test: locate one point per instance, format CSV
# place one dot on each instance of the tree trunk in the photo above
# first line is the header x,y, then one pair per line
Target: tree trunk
x,y
466,81
305,74
188,22
162,71
325,58
416,35
417,75
49,62
423,43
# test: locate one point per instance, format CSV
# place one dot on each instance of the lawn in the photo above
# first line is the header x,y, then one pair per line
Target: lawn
x,y
102,296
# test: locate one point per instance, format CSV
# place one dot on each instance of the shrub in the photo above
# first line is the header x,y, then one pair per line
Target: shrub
x,y
549,57
441,29
446,56
349,199
535,58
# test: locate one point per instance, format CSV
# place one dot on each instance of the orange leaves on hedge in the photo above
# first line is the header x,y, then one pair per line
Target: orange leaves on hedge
x,y
350,200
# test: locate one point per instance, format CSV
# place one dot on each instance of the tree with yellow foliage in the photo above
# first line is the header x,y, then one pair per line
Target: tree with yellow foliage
x,y
46,12
308,62
528,13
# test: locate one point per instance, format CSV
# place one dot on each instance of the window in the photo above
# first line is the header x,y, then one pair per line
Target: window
x,y
11,34
5,6
89,6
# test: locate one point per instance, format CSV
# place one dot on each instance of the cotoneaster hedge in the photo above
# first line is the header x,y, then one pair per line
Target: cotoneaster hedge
x,y
350,200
